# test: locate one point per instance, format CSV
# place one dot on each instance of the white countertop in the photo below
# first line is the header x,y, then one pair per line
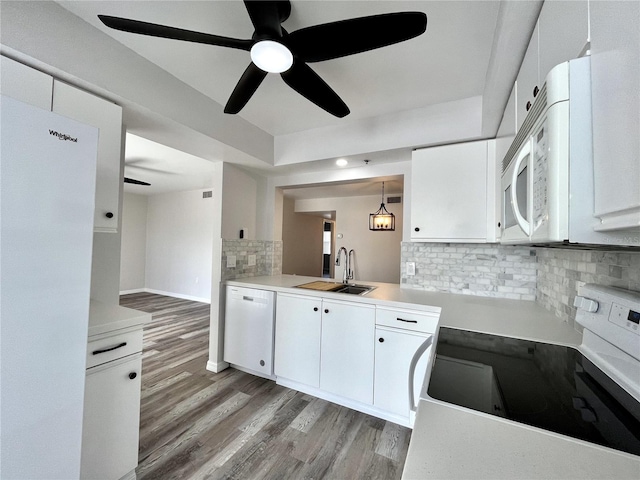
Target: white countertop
x,y
450,442
105,318
514,318
453,443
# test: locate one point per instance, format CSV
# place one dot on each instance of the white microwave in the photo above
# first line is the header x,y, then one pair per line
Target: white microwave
x,y
547,174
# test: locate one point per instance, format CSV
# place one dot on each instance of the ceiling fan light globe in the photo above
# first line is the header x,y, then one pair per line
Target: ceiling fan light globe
x,y
272,57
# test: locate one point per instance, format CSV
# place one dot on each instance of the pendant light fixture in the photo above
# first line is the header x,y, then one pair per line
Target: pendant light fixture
x,y
382,220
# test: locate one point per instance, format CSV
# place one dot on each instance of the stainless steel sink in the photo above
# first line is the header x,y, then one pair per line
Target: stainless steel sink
x,y
355,289
335,287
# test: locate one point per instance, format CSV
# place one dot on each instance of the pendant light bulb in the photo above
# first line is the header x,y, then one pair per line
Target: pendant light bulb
x,y
272,57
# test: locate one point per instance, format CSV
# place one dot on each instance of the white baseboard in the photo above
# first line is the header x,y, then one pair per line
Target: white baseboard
x,y
135,290
168,294
216,367
130,476
345,402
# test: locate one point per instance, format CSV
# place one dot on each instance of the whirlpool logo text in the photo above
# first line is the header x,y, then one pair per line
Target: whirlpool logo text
x,y
63,136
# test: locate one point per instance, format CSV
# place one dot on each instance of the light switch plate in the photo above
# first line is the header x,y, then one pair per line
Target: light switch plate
x,y
411,268
251,260
231,261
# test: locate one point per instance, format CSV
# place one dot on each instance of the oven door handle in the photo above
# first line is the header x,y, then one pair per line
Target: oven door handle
x,y
412,370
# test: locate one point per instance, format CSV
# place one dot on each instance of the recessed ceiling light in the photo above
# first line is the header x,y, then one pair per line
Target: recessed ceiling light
x,y
341,162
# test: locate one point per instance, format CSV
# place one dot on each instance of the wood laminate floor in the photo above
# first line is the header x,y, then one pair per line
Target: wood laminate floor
x,y
196,424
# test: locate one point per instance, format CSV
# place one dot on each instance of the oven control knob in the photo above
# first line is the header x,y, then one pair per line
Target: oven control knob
x,y
586,304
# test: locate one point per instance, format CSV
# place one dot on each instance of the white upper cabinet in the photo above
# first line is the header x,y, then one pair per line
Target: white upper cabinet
x,y
453,193
506,130
25,84
41,90
561,34
528,79
87,108
615,80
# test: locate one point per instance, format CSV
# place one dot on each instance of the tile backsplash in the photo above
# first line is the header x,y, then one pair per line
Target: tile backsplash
x,y
487,270
562,271
268,258
550,276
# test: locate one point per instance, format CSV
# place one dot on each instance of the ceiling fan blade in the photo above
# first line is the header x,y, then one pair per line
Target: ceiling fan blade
x,y
307,83
246,87
267,15
135,182
154,30
356,35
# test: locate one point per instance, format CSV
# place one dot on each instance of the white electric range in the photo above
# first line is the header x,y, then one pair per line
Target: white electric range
x,y
501,407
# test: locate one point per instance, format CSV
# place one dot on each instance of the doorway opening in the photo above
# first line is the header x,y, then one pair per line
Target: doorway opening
x,y
327,250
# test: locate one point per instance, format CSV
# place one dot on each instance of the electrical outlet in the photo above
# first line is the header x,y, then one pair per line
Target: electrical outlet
x,y
251,260
411,268
231,261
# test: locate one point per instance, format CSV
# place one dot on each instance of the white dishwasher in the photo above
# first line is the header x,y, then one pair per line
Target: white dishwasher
x,y
249,330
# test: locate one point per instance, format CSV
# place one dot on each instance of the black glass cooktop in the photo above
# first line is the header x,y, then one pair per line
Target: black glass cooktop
x,y
548,386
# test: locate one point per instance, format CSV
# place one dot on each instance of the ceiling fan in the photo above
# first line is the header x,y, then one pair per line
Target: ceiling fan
x,y
275,50
135,182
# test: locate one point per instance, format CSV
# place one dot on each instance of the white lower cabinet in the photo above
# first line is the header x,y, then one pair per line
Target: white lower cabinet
x,y
111,418
355,354
394,351
347,350
297,339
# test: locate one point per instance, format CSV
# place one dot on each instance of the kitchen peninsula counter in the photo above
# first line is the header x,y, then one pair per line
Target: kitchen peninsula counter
x,y
516,318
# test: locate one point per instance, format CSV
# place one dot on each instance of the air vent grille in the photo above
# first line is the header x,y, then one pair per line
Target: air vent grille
x,y
538,109
207,194
394,199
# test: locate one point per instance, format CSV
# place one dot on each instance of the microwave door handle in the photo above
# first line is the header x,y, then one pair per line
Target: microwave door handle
x,y
412,370
522,222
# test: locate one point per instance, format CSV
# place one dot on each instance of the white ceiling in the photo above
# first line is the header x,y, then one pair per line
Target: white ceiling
x,y
448,62
165,168
393,186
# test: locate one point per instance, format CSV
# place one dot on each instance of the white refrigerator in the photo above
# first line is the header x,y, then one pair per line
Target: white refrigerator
x,y
47,189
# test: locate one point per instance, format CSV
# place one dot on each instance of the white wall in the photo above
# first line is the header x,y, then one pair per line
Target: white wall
x,y
301,242
134,243
377,254
239,198
179,244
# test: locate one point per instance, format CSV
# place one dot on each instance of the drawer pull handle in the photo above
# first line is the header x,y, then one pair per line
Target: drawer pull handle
x,y
133,375
408,321
96,352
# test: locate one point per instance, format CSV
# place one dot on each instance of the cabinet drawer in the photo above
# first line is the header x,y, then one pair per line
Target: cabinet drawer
x,y
108,347
407,319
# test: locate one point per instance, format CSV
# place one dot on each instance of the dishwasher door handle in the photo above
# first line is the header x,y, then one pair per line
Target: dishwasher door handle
x,y
412,370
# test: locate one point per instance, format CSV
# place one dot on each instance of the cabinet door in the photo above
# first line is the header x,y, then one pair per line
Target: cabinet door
x,y
528,79
507,130
347,358
394,351
86,108
563,27
111,419
25,84
615,73
297,343
449,194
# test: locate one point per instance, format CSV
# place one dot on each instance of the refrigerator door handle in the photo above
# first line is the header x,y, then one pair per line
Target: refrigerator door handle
x,y
412,370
